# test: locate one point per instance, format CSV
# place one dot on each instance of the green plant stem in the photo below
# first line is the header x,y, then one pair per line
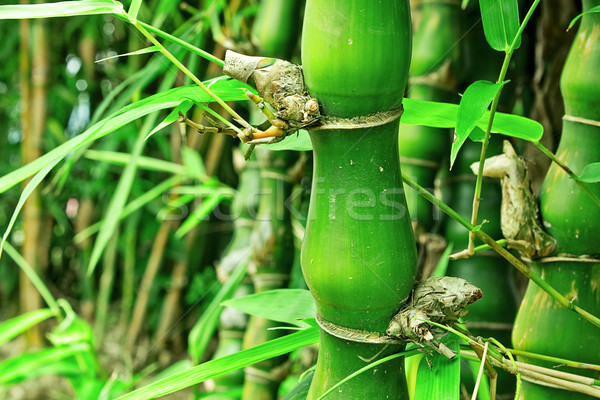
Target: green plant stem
x,y
488,130
484,237
568,170
484,247
193,77
557,360
34,278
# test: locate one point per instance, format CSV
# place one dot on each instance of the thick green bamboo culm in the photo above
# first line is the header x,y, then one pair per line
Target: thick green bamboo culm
x,y
571,216
359,254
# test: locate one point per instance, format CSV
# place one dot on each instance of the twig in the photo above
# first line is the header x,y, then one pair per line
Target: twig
x,y
483,361
484,237
568,170
488,130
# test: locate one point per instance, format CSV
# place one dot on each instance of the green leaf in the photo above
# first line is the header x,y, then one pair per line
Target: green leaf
x,y
15,326
442,377
226,364
204,329
228,90
473,106
20,367
145,50
590,174
282,305
193,164
134,8
133,206
148,163
61,9
500,23
299,141
172,117
591,10
201,212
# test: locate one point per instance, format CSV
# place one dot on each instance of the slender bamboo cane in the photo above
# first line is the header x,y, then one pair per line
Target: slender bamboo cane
x,y
233,323
431,77
358,255
493,315
571,216
269,266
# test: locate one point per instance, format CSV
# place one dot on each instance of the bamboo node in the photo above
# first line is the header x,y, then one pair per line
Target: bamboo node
x,y
355,335
361,122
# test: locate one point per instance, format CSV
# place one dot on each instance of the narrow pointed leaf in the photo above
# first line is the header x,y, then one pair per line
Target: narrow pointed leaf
x,y
134,8
60,9
200,213
145,50
18,368
473,105
282,305
206,326
172,117
15,326
591,10
226,364
591,173
500,23
442,377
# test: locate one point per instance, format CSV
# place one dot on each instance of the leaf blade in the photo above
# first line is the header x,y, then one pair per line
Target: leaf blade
x,y
60,9
225,364
500,23
473,105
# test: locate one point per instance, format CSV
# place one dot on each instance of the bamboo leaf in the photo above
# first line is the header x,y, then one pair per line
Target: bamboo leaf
x,y
134,8
200,213
20,367
15,326
282,305
193,164
443,376
500,23
591,10
204,329
226,364
591,173
133,206
116,204
146,50
473,105
60,9
299,141
228,90
149,163
172,117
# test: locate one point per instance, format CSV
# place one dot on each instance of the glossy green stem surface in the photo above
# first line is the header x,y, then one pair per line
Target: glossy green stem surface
x,y
572,217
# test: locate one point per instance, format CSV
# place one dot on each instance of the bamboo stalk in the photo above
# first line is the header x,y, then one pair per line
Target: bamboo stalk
x,y
359,255
571,216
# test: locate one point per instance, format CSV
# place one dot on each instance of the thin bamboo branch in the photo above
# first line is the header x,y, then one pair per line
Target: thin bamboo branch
x,y
488,130
568,170
484,237
193,77
154,262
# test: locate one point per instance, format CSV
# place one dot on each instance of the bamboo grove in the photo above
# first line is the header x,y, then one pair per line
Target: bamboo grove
x,y
300,199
